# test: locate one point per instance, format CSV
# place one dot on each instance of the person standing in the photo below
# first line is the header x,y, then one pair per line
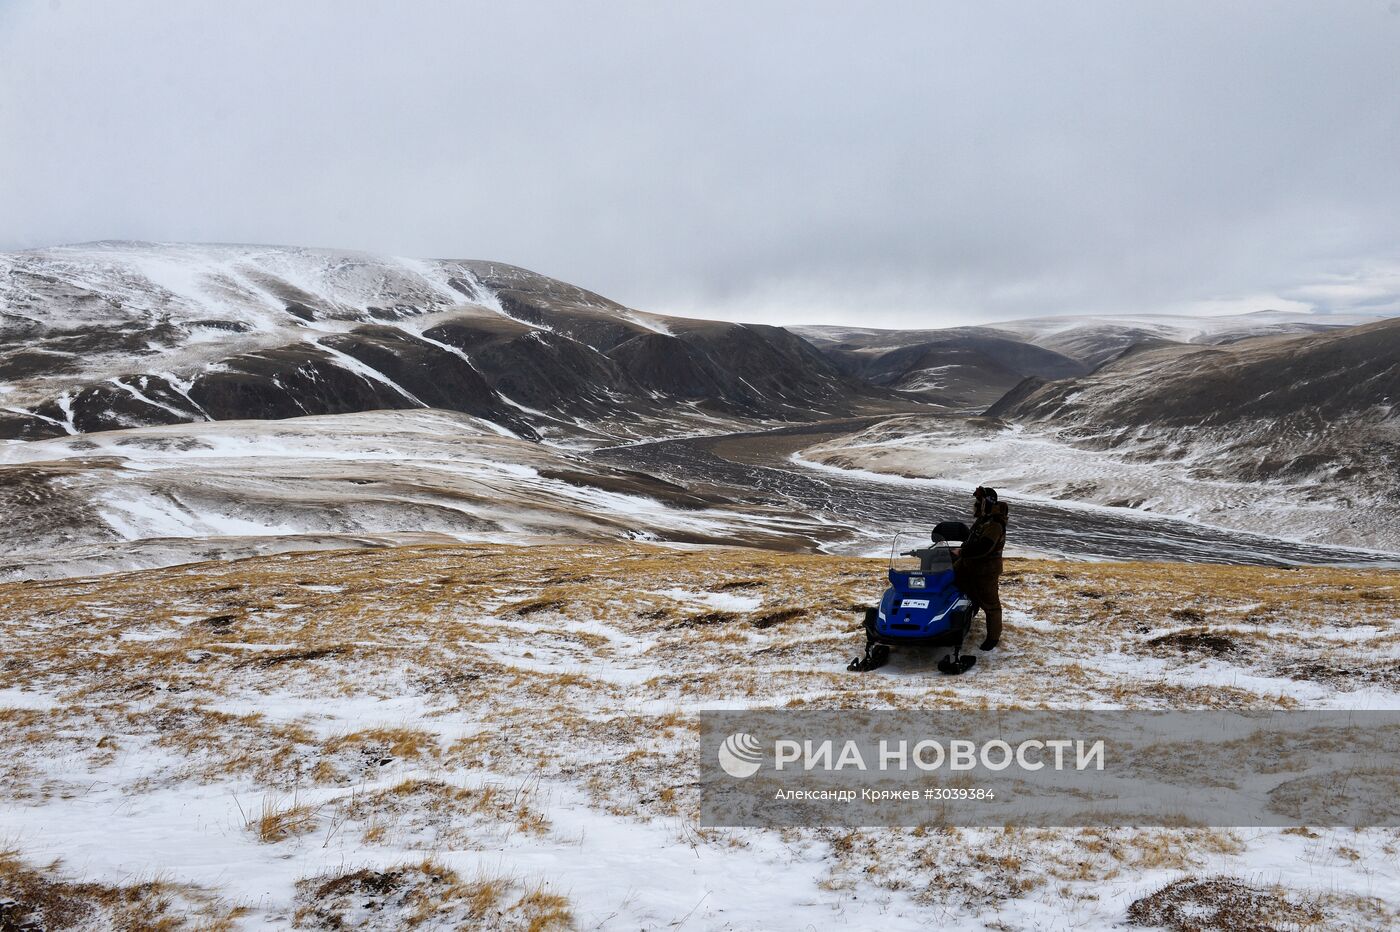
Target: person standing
x,y
977,569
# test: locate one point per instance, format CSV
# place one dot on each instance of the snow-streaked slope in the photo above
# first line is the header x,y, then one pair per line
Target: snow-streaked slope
x,y
1315,379
1039,461
161,495
155,306
112,335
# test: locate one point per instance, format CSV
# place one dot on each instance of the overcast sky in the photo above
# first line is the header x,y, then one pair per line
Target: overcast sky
x,y
901,164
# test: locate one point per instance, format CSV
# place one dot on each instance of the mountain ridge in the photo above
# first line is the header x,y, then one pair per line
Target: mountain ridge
x,y
116,335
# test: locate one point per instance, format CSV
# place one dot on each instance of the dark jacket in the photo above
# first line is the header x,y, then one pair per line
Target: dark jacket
x,y
981,552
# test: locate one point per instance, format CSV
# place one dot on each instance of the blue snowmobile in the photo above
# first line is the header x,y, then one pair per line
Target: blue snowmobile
x,y
922,607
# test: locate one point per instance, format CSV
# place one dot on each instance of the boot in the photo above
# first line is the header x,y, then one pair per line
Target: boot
x,y
993,628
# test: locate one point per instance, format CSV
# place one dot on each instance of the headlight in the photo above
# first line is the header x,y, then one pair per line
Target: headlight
x,y
916,582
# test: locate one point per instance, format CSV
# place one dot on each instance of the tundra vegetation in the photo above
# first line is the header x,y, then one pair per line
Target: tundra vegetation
x,y
494,736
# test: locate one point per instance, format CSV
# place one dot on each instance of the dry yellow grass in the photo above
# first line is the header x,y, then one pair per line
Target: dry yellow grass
x,y
433,814
520,640
277,820
427,894
43,898
585,664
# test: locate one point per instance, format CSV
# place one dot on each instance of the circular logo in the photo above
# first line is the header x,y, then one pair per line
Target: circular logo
x,y
741,755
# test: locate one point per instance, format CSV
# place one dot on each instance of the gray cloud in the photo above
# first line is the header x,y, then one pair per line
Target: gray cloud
x,y
903,163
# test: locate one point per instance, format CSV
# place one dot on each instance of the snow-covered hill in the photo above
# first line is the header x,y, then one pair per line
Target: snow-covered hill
x,y
112,335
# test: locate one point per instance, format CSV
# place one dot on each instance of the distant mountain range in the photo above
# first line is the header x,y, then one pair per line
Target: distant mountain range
x,y
969,368
115,335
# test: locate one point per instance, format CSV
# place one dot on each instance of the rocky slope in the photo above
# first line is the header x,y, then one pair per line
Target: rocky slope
x,y
1310,379
113,335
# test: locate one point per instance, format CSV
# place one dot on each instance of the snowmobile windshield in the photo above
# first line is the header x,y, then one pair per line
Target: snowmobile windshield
x,y
914,551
